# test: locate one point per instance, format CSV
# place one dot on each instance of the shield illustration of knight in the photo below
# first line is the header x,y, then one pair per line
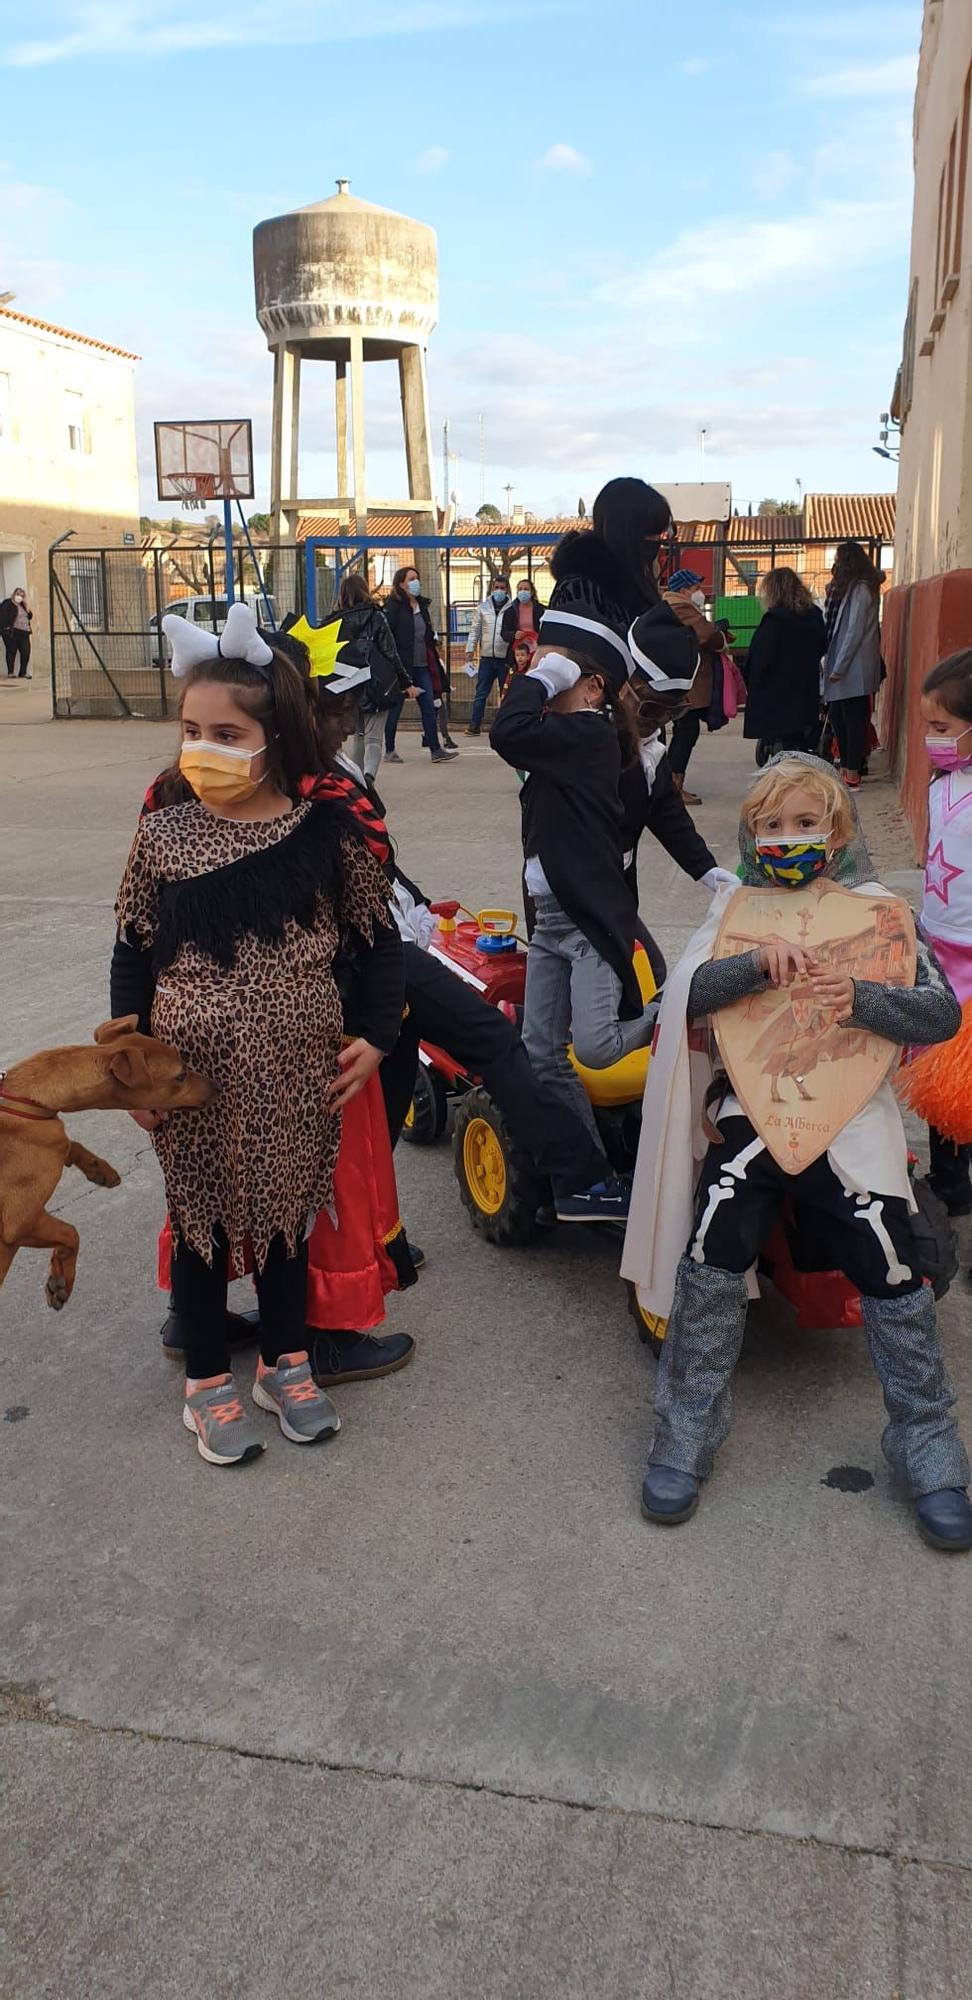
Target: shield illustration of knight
x,y
799,1075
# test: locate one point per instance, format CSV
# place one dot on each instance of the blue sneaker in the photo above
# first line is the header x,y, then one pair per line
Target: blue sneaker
x,y
606,1201
945,1518
669,1497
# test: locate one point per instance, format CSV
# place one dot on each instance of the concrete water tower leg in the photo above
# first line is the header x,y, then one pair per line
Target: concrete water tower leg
x,y
358,434
283,441
418,434
341,433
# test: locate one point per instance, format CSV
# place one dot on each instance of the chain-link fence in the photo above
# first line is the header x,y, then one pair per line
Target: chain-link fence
x,y
110,656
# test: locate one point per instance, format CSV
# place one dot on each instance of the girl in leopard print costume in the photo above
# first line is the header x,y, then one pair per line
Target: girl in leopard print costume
x,y
230,914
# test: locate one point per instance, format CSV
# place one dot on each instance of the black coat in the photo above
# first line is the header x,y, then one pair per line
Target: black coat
x,y
663,813
572,820
511,623
370,644
8,615
398,611
783,675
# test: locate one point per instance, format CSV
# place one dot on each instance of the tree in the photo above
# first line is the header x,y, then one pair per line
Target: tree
x,y
487,512
581,511
259,524
777,507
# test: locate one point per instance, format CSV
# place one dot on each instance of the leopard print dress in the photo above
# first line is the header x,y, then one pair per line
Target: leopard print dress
x,y
260,1159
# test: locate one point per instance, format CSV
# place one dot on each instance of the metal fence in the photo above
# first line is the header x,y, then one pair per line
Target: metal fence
x,y
109,656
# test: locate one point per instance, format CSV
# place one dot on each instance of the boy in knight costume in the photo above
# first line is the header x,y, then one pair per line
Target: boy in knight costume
x,y
702,1205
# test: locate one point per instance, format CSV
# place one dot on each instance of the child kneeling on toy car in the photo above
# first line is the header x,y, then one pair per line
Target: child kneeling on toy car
x,y
798,822
562,723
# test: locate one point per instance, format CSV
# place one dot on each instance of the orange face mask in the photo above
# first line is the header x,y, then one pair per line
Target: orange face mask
x,y
218,775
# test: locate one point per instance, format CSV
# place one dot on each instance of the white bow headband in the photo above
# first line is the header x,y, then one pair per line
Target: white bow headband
x,y
239,640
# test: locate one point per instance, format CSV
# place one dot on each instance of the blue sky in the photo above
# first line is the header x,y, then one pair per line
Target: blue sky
x,y
650,219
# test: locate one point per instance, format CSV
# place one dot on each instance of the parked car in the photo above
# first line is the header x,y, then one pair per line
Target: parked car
x,y
209,613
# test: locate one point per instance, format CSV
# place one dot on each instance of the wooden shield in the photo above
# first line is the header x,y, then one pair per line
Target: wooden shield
x,y
798,1075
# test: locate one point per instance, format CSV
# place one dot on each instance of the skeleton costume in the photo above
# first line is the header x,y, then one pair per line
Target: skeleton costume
x,y
700,1213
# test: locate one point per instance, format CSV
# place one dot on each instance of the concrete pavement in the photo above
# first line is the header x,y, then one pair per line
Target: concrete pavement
x,y
434,1712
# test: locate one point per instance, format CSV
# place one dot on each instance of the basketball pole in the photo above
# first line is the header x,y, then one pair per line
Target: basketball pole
x,y
228,545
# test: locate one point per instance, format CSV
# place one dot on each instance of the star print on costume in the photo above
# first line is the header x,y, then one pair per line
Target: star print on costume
x,y
939,873
332,657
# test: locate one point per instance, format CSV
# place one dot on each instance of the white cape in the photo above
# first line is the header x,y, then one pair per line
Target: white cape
x,y
870,1154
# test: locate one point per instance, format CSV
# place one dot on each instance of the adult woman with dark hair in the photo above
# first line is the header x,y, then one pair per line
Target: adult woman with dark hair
x,y
409,620
522,615
367,632
16,618
783,671
852,667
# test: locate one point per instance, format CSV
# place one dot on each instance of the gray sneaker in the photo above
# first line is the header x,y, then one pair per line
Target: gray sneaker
x,y
305,1414
224,1434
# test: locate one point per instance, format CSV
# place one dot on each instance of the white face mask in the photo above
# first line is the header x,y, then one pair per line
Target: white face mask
x,y
698,599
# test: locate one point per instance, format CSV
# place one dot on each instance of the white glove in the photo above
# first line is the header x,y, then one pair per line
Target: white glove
x,y
719,878
425,924
556,673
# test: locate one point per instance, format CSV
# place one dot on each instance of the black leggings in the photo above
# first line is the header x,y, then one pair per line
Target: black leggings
x,y
17,646
850,719
951,1172
685,736
443,1010
199,1297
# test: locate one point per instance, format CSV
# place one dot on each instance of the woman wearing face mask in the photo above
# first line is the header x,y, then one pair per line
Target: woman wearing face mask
x,y
16,618
407,613
229,917
523,615
852,666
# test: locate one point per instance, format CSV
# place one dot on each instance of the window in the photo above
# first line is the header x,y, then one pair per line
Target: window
x,y
963,169
6,414
74,412
87,592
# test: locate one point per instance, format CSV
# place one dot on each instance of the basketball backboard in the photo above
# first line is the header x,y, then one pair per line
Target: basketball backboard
x,y
204,460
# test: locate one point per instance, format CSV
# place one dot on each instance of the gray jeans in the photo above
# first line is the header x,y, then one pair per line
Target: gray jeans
x,y
572,994
368,744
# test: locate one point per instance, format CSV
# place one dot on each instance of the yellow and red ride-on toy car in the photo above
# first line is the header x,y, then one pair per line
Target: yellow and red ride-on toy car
x,y
506,1199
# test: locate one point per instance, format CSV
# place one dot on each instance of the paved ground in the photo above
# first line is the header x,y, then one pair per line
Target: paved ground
x,y
434,1713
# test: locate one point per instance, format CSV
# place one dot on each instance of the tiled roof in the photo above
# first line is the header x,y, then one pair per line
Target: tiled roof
x,y
84,339
329,525
833,517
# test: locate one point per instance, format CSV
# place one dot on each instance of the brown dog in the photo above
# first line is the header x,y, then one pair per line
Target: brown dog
x,y
122,1071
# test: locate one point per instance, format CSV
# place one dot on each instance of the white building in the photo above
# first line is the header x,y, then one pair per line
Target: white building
x,y
67,458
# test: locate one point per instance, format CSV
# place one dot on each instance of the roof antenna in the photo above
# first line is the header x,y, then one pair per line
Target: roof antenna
x,y
344,187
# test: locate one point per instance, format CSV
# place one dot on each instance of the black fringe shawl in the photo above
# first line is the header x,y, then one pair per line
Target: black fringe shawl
x,y
257,895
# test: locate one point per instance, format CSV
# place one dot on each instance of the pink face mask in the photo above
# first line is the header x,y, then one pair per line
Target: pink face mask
x,y
944,753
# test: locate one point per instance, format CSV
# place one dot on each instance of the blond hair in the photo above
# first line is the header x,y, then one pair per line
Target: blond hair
x,y
782,590
772,787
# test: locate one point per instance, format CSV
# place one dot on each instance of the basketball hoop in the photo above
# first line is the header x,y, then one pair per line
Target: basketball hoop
x,y
200,462
193,490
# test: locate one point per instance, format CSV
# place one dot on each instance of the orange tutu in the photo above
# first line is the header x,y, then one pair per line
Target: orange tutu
x,y
352,1267
938,1083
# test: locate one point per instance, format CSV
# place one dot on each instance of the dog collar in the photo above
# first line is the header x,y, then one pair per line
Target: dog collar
x,y
22,1107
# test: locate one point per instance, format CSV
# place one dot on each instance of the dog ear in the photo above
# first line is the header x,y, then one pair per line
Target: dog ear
x,y
112,1031
130,1068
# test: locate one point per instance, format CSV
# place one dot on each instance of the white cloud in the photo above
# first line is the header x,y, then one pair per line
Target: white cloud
x,y
169,27
695,65
773,174
895,77
433,159
737,256
563,159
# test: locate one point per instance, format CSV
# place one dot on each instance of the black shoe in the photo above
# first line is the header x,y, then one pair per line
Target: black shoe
x,y
417,1255
356,1357
242,1330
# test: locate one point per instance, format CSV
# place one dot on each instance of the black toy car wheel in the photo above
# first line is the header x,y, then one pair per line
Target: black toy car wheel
x,y
428,1113
498,1181
651,1329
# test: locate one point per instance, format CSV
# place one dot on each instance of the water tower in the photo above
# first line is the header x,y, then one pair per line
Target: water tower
x,y
345,282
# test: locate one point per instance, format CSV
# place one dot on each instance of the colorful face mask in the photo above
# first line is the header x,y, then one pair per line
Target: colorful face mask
x,y
219,776
790,863
944,752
